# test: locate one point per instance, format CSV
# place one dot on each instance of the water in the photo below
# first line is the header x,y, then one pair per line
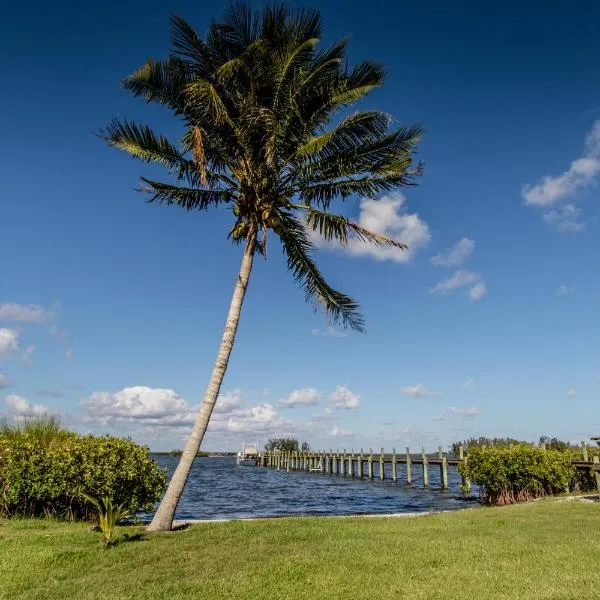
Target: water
x,y
219,489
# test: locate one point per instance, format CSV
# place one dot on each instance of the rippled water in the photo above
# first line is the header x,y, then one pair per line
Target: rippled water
x,y
219,489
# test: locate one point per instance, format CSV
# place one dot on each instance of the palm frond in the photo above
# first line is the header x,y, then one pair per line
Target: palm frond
x,y
341,229
160,81
188,198
340,308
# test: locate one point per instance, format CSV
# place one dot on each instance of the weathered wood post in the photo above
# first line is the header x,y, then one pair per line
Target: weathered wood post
x,y
465,483
425,468
360,464
394,466
461,452
440,452
279,460
584,451
408,466
351,464
596,461
343,464
444,473
335,465
370,463
288,465
382,466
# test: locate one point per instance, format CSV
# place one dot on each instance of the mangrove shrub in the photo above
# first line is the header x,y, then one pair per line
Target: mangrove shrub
x,y
506,475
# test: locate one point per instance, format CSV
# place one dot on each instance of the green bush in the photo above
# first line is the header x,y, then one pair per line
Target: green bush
x,y
506,475
49,479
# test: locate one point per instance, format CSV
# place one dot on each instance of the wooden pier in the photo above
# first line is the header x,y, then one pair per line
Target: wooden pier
x,y
366,465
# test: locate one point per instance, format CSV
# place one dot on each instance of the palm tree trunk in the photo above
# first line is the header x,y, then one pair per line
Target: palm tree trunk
x,y
163,519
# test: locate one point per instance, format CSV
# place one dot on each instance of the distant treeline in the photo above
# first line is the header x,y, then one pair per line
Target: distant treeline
x,y
286,444
551,443
201,453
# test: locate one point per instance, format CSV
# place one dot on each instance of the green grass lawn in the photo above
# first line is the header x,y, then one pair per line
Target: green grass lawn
x,y
542,550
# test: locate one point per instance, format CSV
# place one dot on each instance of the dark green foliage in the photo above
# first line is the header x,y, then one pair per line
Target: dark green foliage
x,y
484,441
506,475
267,133
286,445
48,479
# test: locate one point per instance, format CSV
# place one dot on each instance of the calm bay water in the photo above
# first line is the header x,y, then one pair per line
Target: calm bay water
x,y
219,489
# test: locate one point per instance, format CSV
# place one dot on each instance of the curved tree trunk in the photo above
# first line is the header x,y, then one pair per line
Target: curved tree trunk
x,y
163,519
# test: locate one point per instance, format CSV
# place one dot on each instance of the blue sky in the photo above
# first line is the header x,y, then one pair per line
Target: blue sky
x,y
111,310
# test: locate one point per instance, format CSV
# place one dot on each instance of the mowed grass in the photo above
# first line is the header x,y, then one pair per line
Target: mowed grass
x,y
541,550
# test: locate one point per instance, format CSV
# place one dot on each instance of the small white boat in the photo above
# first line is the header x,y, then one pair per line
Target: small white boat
x,y
248,455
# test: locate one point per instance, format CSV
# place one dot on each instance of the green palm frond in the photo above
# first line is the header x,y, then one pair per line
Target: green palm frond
x,y
340,308
188,198
338,227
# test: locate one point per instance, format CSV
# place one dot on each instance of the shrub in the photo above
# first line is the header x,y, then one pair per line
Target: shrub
x,y
506,475
50,479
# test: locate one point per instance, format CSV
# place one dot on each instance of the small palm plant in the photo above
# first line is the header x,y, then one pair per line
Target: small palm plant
x,y
259,104
109,515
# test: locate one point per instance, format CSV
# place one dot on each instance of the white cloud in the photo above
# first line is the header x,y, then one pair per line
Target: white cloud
x,y
302,397
457,255
33,313
69,354
478,291
343,398
228,403
330,332
581,173
417,391
468,384
22,407
142,404
337,432
5,382
441,417
26,356
386,215
571,392
467,413
565,218
460,279
9,341
563,290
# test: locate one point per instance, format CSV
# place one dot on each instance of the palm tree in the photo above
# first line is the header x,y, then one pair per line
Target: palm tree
x,y
257,100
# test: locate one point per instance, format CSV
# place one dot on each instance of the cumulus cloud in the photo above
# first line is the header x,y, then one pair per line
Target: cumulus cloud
x,y
581,173
330,332
417,391
26,356
456,256
565,218
571,392
5,382
9,341
164,409
337,432
32,313
550,190
388,216
563,290
302,397
343,398
23,408
460,279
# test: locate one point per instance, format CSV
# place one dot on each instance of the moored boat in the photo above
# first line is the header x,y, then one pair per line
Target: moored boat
x,y
248,454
